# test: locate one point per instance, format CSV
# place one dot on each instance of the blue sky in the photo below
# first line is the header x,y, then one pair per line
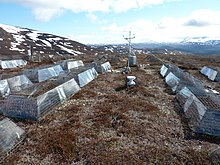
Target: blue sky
x,y
106,21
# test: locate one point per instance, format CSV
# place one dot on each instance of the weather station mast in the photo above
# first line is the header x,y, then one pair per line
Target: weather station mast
x,y
131,61
131,56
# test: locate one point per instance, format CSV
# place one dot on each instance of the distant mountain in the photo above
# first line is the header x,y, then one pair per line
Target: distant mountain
x,y
16,42
197,46
202,41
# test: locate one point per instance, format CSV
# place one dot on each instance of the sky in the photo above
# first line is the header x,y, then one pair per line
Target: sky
x,y
109,21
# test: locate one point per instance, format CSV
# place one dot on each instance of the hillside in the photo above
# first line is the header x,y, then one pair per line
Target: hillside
x,y
15,42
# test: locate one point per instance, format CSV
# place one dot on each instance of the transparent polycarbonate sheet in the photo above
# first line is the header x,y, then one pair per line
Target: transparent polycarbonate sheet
x,y
74,64
187,104
70,64
199,107
102,67
87,76
172,81
190,97
4,88
18,83
55,96
47,73
47,101
163,70
106,67
10,135
212,75
12,63
57,69
204,70
61,93
69,88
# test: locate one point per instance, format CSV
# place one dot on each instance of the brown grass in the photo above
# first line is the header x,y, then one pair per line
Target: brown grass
x,y
107,123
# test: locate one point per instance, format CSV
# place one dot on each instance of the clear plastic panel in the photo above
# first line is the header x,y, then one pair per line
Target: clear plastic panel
x,y
106,67
47,73
200,107
190,98
10,135
12,63
187,97
212,75
22,62
4,88
187,104
18,83
87,76
55,96
61,93
58,69
52,72
209,70
163,70
203,70
172,81
70,87
74,64
47,101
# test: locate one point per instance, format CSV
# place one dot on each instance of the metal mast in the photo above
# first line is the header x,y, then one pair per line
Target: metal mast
x,y
129,38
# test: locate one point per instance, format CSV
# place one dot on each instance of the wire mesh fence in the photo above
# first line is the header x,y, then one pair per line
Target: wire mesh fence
x,y
34,104
10,136
201,108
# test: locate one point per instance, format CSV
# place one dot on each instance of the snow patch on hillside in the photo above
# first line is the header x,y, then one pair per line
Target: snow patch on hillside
x,y
46,43
70,50
34,35
15,48
18,38
12,29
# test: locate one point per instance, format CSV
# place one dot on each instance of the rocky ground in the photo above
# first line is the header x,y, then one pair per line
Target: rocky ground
x,y
107,123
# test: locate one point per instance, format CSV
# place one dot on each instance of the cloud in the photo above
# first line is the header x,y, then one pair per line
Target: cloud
x,y
203,17
43,14
91,16
54,7
194,22
199,23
